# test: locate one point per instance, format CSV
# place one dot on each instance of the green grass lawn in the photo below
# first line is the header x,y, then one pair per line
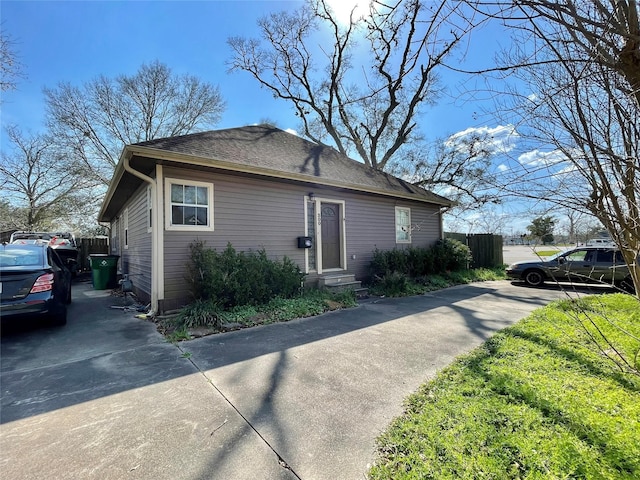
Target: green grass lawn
x,y
538,401
546,253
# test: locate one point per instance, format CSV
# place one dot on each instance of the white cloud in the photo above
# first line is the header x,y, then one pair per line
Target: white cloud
x,y
502,167
500,139
291,131
536,158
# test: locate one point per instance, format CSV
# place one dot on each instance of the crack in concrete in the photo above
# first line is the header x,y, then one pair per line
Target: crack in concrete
x,y
281,461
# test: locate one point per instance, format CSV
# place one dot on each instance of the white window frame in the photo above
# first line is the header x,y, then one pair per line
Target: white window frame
x,y
168,204
402,227
115,225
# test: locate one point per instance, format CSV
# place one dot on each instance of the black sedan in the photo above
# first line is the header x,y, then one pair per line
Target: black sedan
x,y
34,281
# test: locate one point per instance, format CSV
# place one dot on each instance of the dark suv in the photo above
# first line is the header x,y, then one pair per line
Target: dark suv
x,y
603,265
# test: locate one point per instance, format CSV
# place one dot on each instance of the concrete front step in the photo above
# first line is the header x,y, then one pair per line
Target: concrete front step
x,y
342,282
336,279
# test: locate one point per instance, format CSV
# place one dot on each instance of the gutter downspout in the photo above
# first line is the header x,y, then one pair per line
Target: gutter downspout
x,y
157,270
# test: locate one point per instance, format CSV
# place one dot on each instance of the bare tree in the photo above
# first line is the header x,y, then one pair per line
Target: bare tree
x,y
7,216
578,105
574,218
363,90
10,66
460,167
40,186
94,122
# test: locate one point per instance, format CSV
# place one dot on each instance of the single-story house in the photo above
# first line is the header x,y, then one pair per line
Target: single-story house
x,y
255,187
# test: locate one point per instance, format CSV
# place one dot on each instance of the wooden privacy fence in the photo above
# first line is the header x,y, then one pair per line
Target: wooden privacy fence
x,y
486,248
87,246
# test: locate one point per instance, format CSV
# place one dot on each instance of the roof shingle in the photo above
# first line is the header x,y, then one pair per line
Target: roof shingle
x,y
275,150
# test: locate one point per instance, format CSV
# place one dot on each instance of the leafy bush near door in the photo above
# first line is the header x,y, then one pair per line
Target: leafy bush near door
x,y
229,278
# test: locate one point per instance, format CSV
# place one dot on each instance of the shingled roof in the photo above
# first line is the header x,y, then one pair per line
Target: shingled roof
x,y
260,150
284,154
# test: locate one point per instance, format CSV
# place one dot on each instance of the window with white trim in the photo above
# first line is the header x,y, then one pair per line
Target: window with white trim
x,y
115,224
189,205
403,225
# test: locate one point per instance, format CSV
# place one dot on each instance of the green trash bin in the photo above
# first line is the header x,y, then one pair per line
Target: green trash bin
x,y
104,270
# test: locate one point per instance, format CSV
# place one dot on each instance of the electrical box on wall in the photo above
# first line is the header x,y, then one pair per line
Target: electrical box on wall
x,y
305,242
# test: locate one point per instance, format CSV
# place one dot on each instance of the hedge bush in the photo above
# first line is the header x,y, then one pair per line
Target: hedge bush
x,y
445,256
231,278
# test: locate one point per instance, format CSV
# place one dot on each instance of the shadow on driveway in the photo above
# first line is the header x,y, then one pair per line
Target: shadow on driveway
x,y
310,395
102,351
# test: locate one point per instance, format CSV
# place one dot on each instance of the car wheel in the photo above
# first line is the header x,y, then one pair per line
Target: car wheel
x,y
534,278
59,318
69,295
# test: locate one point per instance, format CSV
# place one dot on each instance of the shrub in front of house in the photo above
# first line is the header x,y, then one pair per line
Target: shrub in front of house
x,y
444,256
230,278
450,256
413,270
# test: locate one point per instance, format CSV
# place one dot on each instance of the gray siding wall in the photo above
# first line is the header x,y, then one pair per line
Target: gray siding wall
x,y
249,214
371,224
136,259
253,213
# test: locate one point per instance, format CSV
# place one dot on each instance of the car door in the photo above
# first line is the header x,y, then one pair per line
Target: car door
x,y
62,282
577,265
610,266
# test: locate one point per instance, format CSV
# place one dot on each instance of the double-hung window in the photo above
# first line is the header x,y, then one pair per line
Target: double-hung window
x,y
190,205
403,225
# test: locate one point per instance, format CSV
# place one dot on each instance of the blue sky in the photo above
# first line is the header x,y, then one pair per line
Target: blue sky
x,y
63,41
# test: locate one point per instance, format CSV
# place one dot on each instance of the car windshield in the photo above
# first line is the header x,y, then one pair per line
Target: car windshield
x,y
19,257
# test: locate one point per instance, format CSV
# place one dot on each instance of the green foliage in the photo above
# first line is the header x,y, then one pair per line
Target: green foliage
x,y
398,285
280,309
201,313
177,335
477,275
209,314
450,255
537,400
542,228
414,270
231,278
395,284
445,256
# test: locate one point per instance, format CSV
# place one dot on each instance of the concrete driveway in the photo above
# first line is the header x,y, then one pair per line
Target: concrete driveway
x,y
107,398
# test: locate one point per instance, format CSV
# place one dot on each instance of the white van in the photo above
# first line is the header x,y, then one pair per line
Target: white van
x,y
600,242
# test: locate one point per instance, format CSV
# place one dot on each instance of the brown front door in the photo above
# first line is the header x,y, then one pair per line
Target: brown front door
x,y
330,216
